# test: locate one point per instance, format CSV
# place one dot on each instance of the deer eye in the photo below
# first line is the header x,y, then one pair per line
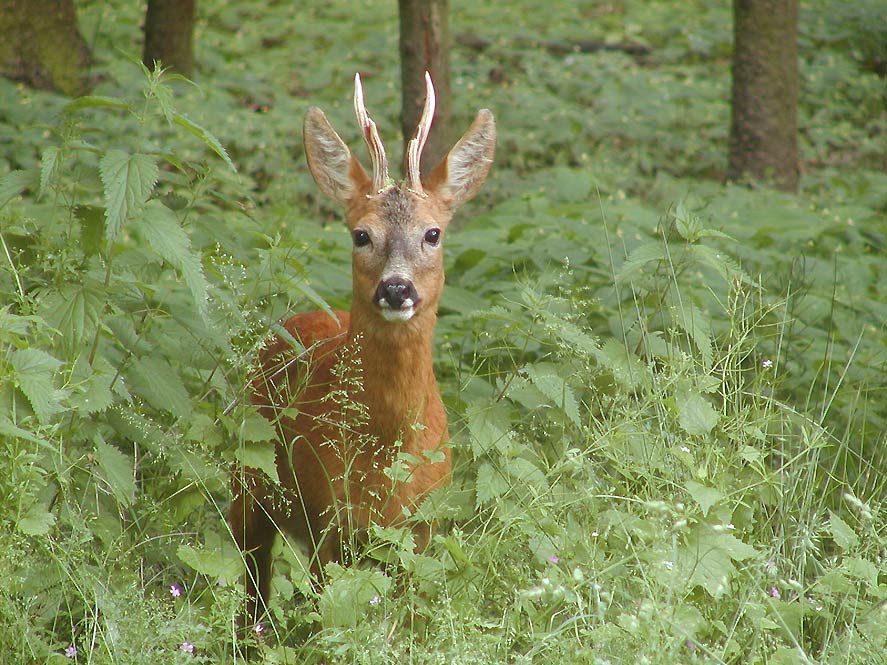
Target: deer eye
x,y
361,238
432,236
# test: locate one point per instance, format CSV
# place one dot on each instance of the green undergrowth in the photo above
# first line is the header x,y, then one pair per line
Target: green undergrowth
x,y
666,394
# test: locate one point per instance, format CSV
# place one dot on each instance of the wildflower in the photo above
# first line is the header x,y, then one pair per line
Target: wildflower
x,y
773,592
187,647
554,558
258,629
690,646
375,600
175,590
71,651
766,363
685,449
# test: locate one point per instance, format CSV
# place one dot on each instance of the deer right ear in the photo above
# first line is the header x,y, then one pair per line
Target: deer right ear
x,y
335,170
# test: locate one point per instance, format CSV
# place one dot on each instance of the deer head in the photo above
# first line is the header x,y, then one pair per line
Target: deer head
x,y
397,228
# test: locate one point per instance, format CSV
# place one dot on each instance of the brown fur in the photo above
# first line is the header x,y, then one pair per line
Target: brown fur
x,y
363,394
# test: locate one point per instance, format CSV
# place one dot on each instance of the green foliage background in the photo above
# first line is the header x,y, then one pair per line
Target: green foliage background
x,y
666,394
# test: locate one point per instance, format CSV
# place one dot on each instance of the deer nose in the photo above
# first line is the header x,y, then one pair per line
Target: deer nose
x,y
396,293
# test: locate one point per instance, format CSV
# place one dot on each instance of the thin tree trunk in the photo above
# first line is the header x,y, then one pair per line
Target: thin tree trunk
x,y
425,46
41,45
763,130
169,26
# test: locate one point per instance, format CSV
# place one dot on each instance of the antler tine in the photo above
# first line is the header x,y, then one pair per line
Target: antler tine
x,y
417,144
371,136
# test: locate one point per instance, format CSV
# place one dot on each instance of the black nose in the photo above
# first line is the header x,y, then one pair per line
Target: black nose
x,y
396,293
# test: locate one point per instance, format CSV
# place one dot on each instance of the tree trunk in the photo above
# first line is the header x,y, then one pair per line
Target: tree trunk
x,y
425,46
41,46
169,26
763,130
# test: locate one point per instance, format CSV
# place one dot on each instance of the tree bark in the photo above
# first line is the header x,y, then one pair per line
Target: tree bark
x,y
425,46
763,129
41,46
169,27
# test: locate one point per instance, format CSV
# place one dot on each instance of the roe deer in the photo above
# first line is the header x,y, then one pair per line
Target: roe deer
x,y
331,466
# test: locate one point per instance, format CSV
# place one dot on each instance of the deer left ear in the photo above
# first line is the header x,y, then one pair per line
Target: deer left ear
x,y
460,175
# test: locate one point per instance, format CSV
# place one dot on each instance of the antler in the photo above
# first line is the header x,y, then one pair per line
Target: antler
x,y
371,136
416,145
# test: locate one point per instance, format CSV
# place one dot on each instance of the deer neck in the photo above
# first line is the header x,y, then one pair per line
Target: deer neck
x,y
397,374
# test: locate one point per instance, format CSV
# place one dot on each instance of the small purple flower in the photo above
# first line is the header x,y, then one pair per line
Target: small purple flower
x,y
258,629
175,590
689,646
375,600
554,558
773,592
187,647
71,651
767,363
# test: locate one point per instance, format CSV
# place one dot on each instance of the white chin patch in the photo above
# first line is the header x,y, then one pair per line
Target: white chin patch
x,y
403,314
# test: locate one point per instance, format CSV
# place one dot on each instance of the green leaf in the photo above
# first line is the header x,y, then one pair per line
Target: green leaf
x,y
255,427
490,484
34,375
695,415
261,455
844,535
37,521
162,231
204,135
345,599
648,252
862,569
545,377
221,563
128,181
14,183
707,558
488,426
117,471
95,101
693,321
48,167
156,381
705,496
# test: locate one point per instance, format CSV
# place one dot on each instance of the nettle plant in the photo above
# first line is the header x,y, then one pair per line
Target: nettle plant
x,y
127,309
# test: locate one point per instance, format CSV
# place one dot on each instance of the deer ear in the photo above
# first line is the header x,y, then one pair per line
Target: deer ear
x,y
336,171
461,173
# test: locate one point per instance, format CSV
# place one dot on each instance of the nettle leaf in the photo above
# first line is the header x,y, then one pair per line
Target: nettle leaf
x,y
545,377
92,385
705,496
34,373
37,521
693,321
213,562
261,455
627,369
49,163
128,181
155,380
648,252
489,427
844,535
255,427
346,597
161,229
695,415
14,183
204,135
74,310
117,471
490,484
707,557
